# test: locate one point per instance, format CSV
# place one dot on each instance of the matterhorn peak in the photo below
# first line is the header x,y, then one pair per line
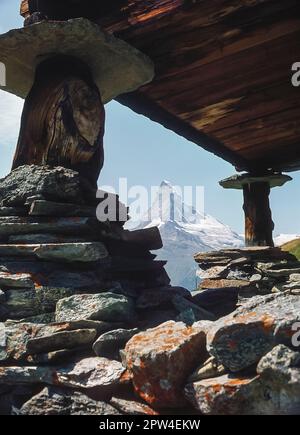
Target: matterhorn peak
x,y
185,231
166,183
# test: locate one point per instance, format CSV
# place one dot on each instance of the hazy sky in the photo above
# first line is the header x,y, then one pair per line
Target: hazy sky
x,y
146,154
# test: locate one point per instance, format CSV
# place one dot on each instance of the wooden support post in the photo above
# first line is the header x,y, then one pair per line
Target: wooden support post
x,y
258,217
63,119
24,8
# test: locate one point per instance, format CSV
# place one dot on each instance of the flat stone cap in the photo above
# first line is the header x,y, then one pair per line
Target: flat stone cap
x,y
238,181
117,67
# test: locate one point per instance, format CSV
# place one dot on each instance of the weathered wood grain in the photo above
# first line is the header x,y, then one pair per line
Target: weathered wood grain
x,y
63,120
258,218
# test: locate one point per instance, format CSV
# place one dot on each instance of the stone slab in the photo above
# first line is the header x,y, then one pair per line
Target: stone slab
x,y
117,67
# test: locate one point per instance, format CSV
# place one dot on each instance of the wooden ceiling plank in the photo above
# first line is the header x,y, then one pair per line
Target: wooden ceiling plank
x,y
283,124
230,76
142,105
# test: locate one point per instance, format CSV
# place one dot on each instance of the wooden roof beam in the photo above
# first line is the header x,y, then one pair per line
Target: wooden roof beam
x,y
141,104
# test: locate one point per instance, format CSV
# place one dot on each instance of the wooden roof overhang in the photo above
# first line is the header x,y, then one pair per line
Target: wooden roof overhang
x,y
223,73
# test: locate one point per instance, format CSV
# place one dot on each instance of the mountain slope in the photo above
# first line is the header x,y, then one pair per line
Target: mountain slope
x,y
293,247
283,239
185,232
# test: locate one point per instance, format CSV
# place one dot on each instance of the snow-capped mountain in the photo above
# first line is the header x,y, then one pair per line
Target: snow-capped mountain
x,y
185,231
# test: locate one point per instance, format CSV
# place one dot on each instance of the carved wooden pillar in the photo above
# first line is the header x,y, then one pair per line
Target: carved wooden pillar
x,y
63,119
258,216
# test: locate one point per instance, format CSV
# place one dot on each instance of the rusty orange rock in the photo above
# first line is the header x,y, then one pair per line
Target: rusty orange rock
x,y
225,395
161,359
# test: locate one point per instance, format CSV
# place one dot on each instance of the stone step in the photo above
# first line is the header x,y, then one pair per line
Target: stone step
x,y
61,340
77,276
11,226
37,239
149,238
20,304
87,374
66,252
18,280
58,209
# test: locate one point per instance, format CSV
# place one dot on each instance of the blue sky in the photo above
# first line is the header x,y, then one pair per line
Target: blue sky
x,y
146,154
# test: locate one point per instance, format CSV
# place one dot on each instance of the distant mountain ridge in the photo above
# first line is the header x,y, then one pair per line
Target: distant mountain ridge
x,y
185,231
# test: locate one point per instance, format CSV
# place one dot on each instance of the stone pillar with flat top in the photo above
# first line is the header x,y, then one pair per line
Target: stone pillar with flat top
x,y
259,225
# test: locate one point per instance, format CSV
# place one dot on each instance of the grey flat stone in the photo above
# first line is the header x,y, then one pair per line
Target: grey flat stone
x,y
33,302
103,306
86,374
22,49
14,337
61,340
239,340
38,239
25,183
63,356
12,226
19,280
238,181
110,343
214,272
50,208
68,252
56,401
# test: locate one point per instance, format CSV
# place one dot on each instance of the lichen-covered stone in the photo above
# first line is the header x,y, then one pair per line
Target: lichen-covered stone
x,y
88,373
110,343
59,209
161,359
61,340
56,401
275,391
239,340
60,252
18,280
20,304
280,373
58,183
12,226
15,337
103,306
225,395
